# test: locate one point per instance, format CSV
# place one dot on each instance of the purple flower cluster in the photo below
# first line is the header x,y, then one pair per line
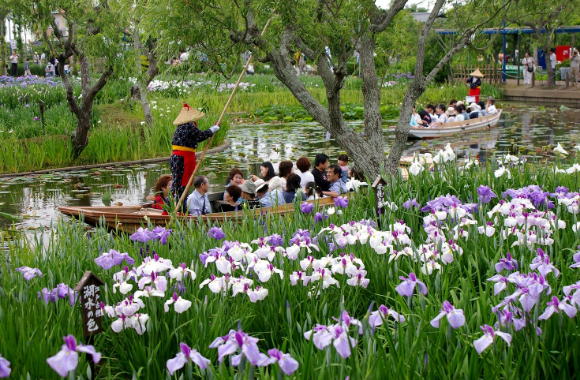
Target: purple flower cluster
x,y
61,291
301,236
534,193
337,334
216,233
143,235
25,81
485,194
4,367
306,207
67,359
29,273
411,203
341,202
107,260
407,287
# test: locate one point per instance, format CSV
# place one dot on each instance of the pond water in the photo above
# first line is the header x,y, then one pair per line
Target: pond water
x,y
36,198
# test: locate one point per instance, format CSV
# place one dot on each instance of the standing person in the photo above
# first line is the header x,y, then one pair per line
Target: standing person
x,y
474,83
319,172
198,202
36,59
301,63
27,67
14,64
553,60
184,144
574,64
42,58
529,66
303,165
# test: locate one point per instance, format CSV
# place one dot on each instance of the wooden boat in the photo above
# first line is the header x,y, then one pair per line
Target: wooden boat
x,y
455,127
130,218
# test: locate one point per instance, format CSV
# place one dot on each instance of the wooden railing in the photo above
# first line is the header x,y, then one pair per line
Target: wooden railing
x,y
491,72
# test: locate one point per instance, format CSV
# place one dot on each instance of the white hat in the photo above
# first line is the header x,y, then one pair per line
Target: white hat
x,y
259,184
474,105
459,103
451,111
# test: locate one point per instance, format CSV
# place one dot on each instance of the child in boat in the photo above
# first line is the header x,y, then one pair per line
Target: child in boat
x,y
343,163
311,191
162,189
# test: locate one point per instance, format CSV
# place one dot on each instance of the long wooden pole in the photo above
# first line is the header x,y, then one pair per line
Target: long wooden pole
x,y
219,122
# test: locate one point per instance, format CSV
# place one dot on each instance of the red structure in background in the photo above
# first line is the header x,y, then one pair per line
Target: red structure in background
x,y
562,53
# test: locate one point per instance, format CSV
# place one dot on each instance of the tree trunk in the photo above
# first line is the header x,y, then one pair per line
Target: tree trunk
x,y
142,88
3,45
80,136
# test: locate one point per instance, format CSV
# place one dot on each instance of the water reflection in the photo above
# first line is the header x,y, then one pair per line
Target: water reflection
x,y
37,198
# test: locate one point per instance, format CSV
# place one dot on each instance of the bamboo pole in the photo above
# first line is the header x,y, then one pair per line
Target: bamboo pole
x,y
218,123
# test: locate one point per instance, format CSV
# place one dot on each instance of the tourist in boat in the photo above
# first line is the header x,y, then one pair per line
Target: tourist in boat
x,y
266,171
319,171
235,177
184,142
198,203
459,113
292,188
343,163
481,105
490,107
430,108
474,83
233,198
285,168
303,165
162,189
312,192
441,116
425,119
337,187
452,103
451,117
268,197
475,111
249,195
529,64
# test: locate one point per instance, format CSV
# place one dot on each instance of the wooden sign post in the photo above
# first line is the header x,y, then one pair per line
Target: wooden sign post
x,y
379,189
90,299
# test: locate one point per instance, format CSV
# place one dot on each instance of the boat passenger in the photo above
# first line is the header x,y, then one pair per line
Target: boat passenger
x,y
233,197
441,116
184,142
319,171
268,197
343,163
312,192
451,115
490,107
425,118
430,108
266,171
249,195
452,103
459,113
292,188
303,165
162,188
236,177
337,187
481,105
285,168
475,111
198,203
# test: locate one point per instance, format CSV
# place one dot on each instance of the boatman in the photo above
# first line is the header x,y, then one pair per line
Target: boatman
x,y
474,83
185,140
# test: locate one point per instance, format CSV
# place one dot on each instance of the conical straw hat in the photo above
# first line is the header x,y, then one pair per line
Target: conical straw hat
x,y
476,73
187,115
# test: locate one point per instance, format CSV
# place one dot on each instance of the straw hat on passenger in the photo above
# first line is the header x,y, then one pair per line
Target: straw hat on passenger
x,y
476,73
451,111
187,115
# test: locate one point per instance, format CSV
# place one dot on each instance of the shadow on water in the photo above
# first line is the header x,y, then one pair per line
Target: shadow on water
x,y
36,198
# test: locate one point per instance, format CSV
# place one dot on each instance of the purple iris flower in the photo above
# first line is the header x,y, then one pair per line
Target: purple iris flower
x,y
107,260
485,194
236,340
508,264
182,358
36,118
161,233
555,306
306,207
142,235
319,217
275,240
407,287
29,273
455,316
286,362
411,203
4,367
61,291
216,233
378,317
67,359
341,202
488,337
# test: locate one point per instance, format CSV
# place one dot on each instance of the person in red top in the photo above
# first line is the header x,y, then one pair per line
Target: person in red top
x,y
162,188
184,144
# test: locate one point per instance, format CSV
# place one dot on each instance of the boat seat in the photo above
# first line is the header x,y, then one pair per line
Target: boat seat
x,y
148,211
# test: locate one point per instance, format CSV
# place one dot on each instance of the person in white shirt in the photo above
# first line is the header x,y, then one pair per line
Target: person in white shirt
x,y
451,115
303,165
42,57
490,107
441,116
553,59
198,203
574,65
529,66
459,113
14,61
430,108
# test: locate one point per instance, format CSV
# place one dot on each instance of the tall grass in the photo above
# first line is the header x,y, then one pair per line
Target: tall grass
x,y
31,331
